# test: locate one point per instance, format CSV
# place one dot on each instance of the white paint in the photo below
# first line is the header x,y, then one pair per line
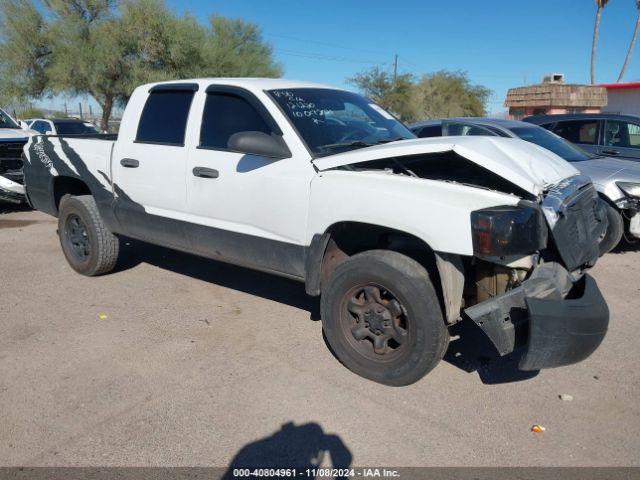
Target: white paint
x,y
288,200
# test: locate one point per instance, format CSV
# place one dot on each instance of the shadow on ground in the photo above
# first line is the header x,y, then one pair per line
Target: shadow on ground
x,y
626,246
301,447
271,287
472,351
6,207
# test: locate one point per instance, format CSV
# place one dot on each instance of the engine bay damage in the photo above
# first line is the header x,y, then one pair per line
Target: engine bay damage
x,y
447,166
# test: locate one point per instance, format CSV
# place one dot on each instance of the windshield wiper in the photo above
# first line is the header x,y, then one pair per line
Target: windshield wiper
x,y
379,142
357,144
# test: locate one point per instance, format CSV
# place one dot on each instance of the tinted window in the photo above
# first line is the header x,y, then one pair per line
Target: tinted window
x,y
550,141
469,130
75,128
40,126
226,114
164,117
430,131
622,134
578,131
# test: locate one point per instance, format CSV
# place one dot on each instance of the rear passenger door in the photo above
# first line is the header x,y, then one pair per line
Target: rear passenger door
x,y
584,133
621,139
149,169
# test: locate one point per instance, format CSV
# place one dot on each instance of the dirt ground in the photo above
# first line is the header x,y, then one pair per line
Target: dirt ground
x,y
175,360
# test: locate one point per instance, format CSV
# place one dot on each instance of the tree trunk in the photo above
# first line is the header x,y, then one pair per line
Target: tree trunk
x,y
594,45
106,113
630,51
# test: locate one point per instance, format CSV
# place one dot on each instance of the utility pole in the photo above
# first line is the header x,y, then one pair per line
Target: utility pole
x,y
80,109
395,68
66,112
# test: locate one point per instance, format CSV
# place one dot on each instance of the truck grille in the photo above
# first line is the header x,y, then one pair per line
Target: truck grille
x,y
579,221
11,160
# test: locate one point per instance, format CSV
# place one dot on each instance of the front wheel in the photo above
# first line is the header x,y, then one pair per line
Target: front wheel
x,y
615,230
382,318
88,245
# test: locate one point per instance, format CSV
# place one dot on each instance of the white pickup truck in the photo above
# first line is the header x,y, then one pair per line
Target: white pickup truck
x,y
402,237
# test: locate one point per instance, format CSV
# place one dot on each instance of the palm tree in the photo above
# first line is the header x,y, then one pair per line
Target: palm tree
x,y
601,4
633,41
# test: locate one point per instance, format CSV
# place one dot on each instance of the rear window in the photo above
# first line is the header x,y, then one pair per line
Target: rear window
x,y
75,128
430,131
578,131
164,117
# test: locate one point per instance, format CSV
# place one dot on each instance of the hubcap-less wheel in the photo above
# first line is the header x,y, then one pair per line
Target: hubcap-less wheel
x,y
78,238
374,322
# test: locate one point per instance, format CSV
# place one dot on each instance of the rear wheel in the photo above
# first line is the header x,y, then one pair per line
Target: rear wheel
x,y
89,247
382,318
615,230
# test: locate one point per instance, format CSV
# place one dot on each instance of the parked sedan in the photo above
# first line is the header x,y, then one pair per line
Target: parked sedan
x,y
63,126
617,180
602,134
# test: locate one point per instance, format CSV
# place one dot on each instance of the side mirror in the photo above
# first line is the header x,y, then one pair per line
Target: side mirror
x,y
258,143
48,132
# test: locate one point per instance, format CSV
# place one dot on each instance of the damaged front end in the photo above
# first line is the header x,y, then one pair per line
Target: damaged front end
x,y
11,173
552,310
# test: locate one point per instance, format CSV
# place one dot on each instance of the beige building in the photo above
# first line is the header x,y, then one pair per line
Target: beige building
x,y
553,96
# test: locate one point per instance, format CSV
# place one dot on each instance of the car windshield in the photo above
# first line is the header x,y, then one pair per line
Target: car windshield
x,y
553,142
75,128
6,121
334,121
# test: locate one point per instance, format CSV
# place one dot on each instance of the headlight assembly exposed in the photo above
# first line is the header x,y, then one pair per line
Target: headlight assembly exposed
x,y
630,188
504,231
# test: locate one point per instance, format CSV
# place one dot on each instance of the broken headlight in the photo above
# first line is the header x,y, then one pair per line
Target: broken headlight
x,y
508,230
629,188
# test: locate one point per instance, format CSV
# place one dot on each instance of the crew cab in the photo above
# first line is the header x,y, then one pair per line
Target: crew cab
x,y
401,237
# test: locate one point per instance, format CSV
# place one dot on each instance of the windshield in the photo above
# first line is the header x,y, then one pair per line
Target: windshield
x,y
75,128
334,121
6,121
551,141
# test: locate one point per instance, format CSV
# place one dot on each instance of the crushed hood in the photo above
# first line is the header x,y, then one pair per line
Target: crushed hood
x,y
524,164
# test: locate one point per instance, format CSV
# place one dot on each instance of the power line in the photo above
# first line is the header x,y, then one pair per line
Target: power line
x,y
322,56
327,44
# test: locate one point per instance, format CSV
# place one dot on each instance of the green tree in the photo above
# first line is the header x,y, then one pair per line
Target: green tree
x,y
105,48
600,4
435,95
395,96
634,36
447,94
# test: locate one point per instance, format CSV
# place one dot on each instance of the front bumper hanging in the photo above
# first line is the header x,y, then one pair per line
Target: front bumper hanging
x,y
556,321
11,191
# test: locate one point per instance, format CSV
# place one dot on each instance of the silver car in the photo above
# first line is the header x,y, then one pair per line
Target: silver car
x,y
617,180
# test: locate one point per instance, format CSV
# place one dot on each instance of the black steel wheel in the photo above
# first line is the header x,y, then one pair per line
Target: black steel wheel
x,y
88,245
382,318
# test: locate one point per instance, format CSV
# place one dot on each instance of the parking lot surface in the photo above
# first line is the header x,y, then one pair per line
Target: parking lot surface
x,y
176,360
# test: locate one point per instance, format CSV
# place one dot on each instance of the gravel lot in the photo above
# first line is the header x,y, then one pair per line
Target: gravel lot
x,y
175,360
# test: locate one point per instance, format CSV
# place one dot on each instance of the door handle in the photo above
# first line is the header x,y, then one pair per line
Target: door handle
x,y
204,172
611,152
129,163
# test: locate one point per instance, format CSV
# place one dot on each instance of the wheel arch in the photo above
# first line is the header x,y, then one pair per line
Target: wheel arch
x,y
346,238
62,185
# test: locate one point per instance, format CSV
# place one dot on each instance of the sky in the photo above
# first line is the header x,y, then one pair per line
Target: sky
x,y
501,44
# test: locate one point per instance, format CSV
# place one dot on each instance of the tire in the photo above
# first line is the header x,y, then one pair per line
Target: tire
x,y
89,247
354,322
614,232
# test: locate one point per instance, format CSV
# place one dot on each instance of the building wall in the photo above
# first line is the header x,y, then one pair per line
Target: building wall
x,y
518,113
624,101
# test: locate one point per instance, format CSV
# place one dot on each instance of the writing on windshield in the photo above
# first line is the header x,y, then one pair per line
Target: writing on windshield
x,y
333,121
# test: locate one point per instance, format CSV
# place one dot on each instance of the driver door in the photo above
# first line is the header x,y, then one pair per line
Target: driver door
x,y
248,205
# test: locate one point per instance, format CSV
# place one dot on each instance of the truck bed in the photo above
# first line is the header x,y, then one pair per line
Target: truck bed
x,y
81,157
